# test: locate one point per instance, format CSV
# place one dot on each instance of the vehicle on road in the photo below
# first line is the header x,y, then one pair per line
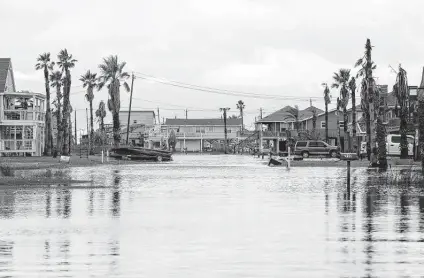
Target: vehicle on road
x,y
393,145
315,147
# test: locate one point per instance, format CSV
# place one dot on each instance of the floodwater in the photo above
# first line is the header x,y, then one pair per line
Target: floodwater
x,y
212,216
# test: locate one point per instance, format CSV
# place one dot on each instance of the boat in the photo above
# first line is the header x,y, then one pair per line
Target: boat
x,y
275,162
138,153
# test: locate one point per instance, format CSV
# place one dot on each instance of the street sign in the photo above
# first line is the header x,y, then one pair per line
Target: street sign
x,y
348,156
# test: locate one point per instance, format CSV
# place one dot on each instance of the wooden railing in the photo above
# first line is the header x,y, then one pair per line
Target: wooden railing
x,y
23,115
16,145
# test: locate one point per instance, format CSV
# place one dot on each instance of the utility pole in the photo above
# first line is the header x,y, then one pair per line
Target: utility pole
x,y
186,111
158,117
129,110
225,127
163,120
261,112
76,138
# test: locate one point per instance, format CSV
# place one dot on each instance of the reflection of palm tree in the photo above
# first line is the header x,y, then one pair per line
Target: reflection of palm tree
x,y
116,194
368,227
48,203
421,208
403,213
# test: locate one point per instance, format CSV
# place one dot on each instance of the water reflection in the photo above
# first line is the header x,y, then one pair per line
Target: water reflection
x,y
116,194
311,225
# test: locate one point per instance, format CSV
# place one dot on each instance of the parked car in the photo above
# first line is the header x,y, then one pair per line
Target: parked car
x,y
393,145
312,147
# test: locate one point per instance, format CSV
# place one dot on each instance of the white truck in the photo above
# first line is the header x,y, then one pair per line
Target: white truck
x,y
393,145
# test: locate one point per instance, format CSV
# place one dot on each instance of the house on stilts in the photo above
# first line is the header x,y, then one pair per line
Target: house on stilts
x,y
22,117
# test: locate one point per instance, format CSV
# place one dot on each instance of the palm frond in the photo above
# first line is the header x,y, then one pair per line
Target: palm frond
x,y
359,62
127,88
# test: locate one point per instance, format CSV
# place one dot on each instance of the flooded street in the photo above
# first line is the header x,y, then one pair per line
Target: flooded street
x,y
212,216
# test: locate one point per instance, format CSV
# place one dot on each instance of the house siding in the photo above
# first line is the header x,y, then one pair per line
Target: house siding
x,y
137,117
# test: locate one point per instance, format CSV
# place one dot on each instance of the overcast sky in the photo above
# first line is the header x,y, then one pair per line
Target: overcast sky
x,y
274,47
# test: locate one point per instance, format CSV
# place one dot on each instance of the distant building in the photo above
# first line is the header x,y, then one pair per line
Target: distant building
x,y
197,135
145,117
22,117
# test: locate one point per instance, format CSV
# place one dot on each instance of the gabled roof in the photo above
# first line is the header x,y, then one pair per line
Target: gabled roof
x,y
5,64
202,122
284,115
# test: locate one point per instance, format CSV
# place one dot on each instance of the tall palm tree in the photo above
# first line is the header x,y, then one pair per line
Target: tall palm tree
x,y
89,81
240,107
338,123
381,131
101,114
112,75
57,82
401,92
44,63
327,100
66,63
352,88
341,80
367,93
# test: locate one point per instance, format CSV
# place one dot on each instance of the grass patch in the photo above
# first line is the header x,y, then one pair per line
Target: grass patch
x,y
6,170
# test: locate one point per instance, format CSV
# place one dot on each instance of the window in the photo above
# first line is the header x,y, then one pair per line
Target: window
x,y
396,139
321,145
210,129
135,121
341,124
301,144
322,124
313,144
198,129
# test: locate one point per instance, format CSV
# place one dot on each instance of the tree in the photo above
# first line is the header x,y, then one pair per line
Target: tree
x,y
57,82
172,140
224,110
44,63
293,114
101,114
352,88
381,132
367,93
240,107
327,100
341,80
66,63
338,123
401,91
113,76
89,81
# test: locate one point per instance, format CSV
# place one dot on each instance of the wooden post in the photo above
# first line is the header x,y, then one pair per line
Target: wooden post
x,y
288,158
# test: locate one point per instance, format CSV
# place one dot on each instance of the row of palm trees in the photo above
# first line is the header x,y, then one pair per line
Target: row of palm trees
x,y
372,105
112,76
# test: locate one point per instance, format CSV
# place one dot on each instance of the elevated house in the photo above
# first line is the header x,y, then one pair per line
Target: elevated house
x,y
22,117
197,135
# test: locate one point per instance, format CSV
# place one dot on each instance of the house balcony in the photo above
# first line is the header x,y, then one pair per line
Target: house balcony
x,y
13,146
9,116
205,135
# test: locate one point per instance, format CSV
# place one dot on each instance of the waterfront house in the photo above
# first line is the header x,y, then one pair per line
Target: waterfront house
x,y
145,117
197,135
22,116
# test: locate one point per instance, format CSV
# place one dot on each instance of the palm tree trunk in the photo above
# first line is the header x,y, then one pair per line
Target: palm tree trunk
x,y
59,120
92,129
326,122
381,135
242,121
368,125
403,132
116,129
346,145
65,118
354,139
338,132
48,140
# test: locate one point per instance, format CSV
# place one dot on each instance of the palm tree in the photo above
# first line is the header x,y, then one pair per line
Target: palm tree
x,y
89,80
44,63
66,63
367,93
57,82
224,110
341,80
381,132
113,76
293,114
401,92
327,100
240,107
352,88
338,123
101,114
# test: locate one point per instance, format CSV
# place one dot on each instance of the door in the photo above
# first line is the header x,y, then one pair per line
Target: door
x,y
321,148
393,145
313,147
410,145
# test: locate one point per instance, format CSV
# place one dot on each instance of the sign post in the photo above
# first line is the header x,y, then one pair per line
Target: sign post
x,y
348,157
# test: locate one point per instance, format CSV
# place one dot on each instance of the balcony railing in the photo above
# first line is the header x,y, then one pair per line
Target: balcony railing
x,y
16,145
23,115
